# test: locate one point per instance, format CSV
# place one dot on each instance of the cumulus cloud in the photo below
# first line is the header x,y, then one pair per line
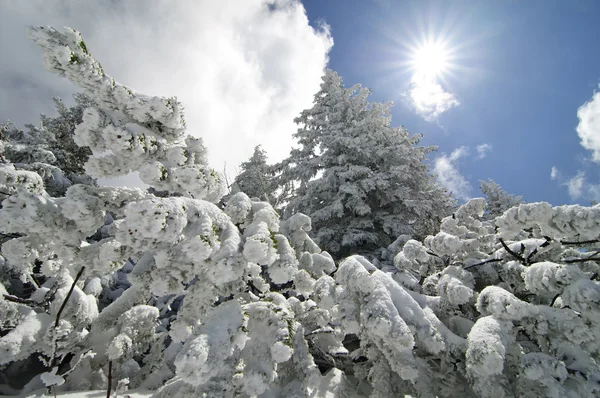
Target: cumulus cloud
x,y
242,69
446,170
588,128
575,185
594,192
578,186
428,97
482,150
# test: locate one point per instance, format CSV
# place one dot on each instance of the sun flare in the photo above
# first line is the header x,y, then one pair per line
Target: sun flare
x,y
430,60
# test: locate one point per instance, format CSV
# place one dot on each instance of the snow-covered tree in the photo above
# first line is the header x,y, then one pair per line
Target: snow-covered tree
x,y
508,307
498,201
256,178
49,149
362,182
70,157
231,335
512,293
131,132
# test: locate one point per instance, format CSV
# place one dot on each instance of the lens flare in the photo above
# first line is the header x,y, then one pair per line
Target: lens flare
x,y
430,60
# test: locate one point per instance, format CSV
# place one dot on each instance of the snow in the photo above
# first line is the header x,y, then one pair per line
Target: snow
x,y
22,341
51,378
137,393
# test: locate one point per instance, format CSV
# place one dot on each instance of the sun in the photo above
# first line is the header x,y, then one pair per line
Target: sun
x,y
431,59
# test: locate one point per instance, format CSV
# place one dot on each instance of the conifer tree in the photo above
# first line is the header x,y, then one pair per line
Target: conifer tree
x,y
70,157
362,182
498,201
256,179
49,148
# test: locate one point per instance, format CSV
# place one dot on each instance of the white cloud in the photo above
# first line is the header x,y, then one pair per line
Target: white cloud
x,y
459,153
242,69
589,126
575,185
482,150
594,192
446,170
588,130
429,98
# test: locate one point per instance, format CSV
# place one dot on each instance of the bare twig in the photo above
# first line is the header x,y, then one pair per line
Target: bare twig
x,y
10,235
583,242
226,177
432,254
581,260
62,307
18,300
35,281
591,257
109,379
73,366
533,253
491,260
517,256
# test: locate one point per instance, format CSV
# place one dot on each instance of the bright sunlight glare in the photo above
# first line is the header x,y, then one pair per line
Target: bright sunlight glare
x,y
430,60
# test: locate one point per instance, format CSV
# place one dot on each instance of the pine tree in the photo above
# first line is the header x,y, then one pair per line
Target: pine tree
x,y
49,149
256,179
70,157
362,182
498,201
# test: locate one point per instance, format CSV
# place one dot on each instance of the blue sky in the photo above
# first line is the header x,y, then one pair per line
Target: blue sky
x,y
521,70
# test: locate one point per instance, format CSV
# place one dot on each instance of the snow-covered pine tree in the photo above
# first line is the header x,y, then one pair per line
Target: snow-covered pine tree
x,y
50,149
51,325
498,201
362,182
232,335
70,157
256,178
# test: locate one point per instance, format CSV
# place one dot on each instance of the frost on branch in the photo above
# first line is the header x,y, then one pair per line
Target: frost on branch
x,y
129,131
362,182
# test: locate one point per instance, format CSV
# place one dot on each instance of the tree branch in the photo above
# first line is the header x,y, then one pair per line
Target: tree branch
x,y
432,254
583,242
491,260
517,256
554,300
18,300
10,235
533,253
592,257
109,379
35,281
62,307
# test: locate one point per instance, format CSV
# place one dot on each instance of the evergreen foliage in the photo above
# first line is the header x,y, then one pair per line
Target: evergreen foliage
x,y
498,201
256,178
362,182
